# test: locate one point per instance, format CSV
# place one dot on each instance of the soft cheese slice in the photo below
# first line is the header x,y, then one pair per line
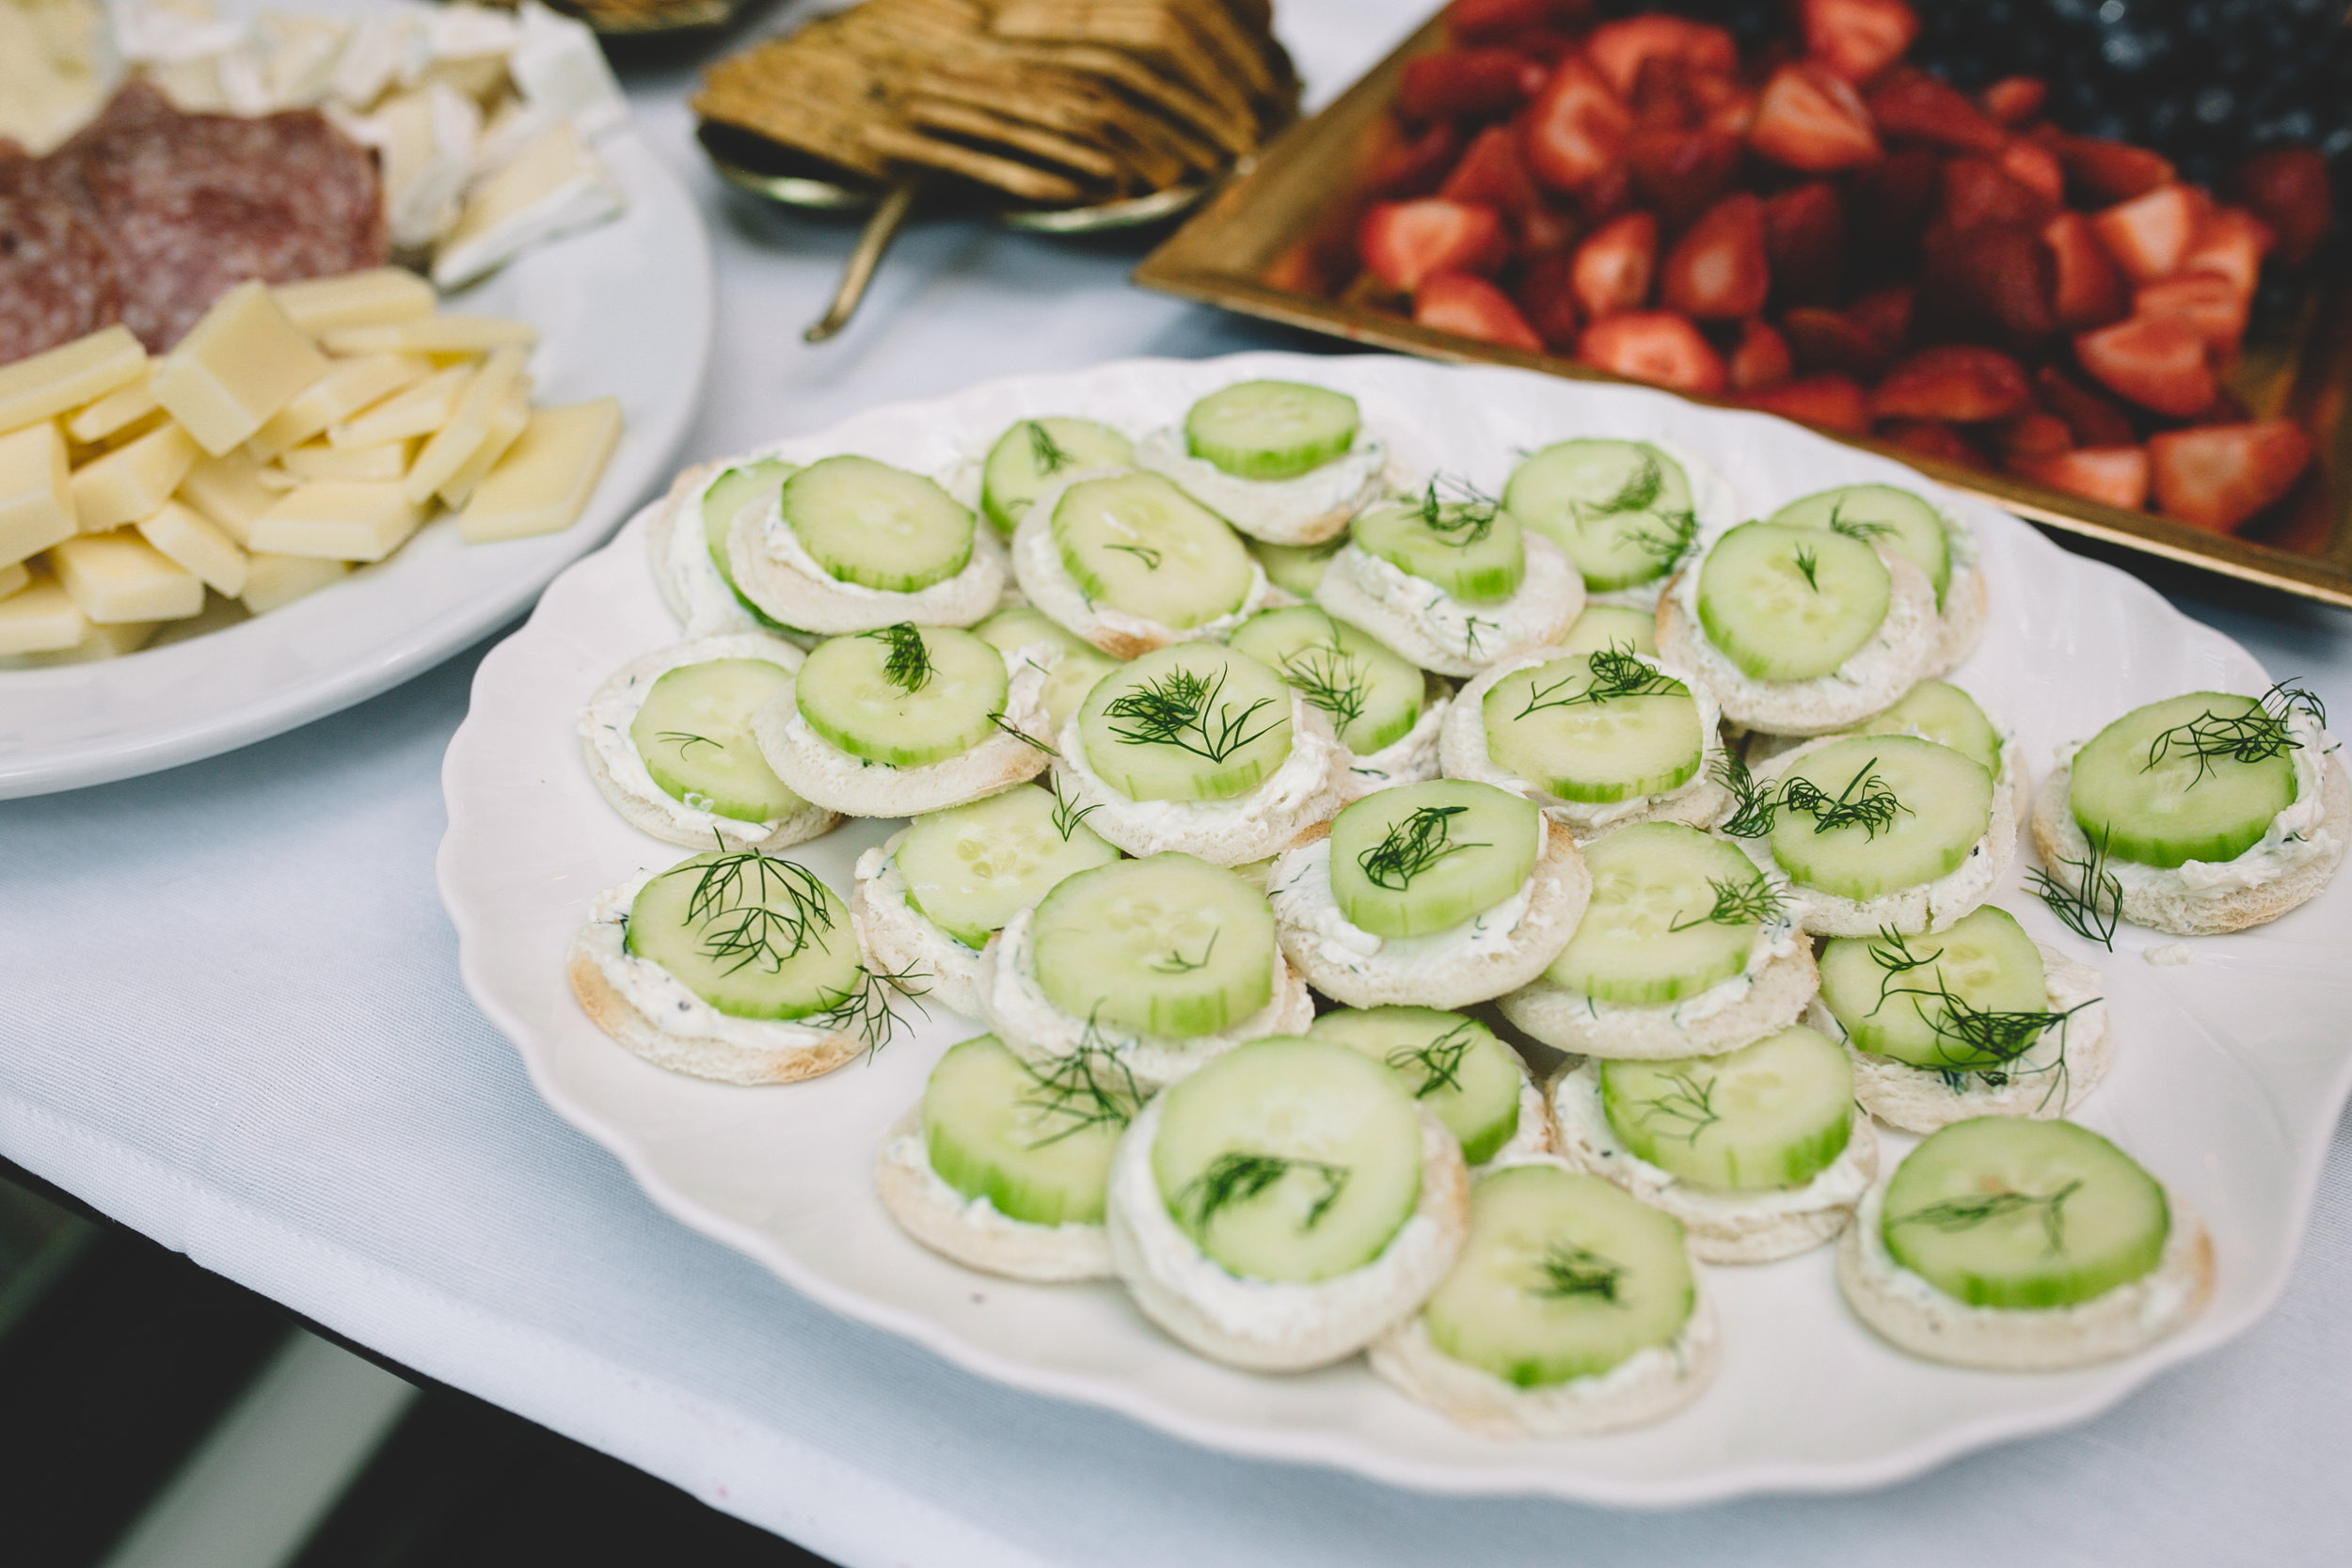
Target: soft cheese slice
x,y
351,387
47,384
315,461
239,364
468,424
434,335
35,491
339,520
555,187
133,481
421,410
119,577
560,68
507,422
194,542
115,412
544,481
379,296
425,140
274,581
39,617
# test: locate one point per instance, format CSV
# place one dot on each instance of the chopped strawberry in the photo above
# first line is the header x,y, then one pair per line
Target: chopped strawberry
x,y
1547,299
2231,242
2149,234
1760,358
2117,475
2208,302
1858,39
1886,315
1832,401
1404,241
2031,434
1899,195
1932,438
1717,271
1613,269
2158,362
1481,21
1577,126
1733,113
1804,242
2093,421
1810,120
1413,166
2014,101
2089,289
2219,476
2035,166
1829,340
1608,196
1977,190
1471,307
1461,83
1655,346
1661,98
1962,383
2105,171
1491,175
2287,188
1927,108
1995,282
1545,228
1682,173
1619,49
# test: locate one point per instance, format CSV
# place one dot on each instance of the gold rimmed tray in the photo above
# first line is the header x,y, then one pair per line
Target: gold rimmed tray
x,y
1278,241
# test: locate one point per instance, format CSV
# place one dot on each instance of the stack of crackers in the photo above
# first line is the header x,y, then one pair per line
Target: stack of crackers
x,y
1054,102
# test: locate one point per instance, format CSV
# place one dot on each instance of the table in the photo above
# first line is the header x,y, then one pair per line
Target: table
x,y
232,1021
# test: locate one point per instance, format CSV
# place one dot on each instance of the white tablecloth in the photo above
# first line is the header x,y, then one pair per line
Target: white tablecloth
x,y
229,1016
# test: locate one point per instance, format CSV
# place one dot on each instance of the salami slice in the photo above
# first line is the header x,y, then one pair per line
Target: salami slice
x,y
57,281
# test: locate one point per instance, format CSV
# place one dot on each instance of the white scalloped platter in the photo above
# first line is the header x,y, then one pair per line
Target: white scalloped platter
x,y
2229,1076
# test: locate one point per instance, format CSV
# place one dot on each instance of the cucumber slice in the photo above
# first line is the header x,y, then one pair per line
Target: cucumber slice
x,y
1194,721
1946,715
1074,674
1373,695
1296,569
1594,728
1471,549
1137,542
1563,1275
1030,455
1612,626
1889,992
971,868
754,936
1903,522
1424,857
904,695
1790,604
2006,1212
1167,945
1452,1063
1620,509
879,527
1271,429
695,734
1889,811
1772,1114
729,494
1035,1143
1651,934
2155,794
1289,1160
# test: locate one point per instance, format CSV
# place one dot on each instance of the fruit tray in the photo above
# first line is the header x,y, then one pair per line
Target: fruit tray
x,y
1279,242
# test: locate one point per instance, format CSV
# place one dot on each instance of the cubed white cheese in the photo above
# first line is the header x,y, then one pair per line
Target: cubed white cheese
x,y
556,187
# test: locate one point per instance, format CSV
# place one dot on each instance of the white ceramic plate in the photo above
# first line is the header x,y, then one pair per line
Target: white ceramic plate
x,y
2230,1078
623,309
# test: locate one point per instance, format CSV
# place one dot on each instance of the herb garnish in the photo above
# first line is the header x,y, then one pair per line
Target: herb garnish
x,y
1025,737
1145,553
2255,736
1237,1178
1567,1271
1862,529
1752,804
1337,685
686,742
1470,630
1411,847
908,666
756,908
1672,544
1639,493
1176,963
1749,903
869,1008
1961,1213
1609,675
2091,908
1046,453
1461,523
1980,1042
1440,1060
1066,816
1866,802
1175,709
1809,562
1089,1086
1688,1108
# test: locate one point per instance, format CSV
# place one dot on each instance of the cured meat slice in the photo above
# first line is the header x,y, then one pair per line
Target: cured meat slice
x,y
57,281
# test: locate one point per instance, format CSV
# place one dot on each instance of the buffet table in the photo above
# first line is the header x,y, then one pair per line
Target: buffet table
x,y
235,1025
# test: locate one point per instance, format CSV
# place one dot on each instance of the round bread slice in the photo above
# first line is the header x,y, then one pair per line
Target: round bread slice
x,y
2161,900
1771,996
1411,758
1914,1316
760,551
1414,616
819,771
1961,622
798,1053
1262,1325
660,529
1305,509
970,1230
897,938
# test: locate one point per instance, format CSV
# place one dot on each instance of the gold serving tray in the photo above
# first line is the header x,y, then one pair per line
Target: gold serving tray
x,y
1278,242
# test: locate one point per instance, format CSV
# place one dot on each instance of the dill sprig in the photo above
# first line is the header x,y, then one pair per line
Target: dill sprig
x,y
1609,675
1639,493
1753,807
1180,709
1462,521
1862,529
1670,542
2255,736
869,1008
1440,1060
684,741
755,908
1974,1042
1025,738
1411,845
1238,1177
1046,453
1337,683
1469,631
907,665
1962,1213
1688,1109
1866,802
1567,1271
1145,553
1088,1087
1749,903
1809,562
2093,904
1176,963
1066,815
